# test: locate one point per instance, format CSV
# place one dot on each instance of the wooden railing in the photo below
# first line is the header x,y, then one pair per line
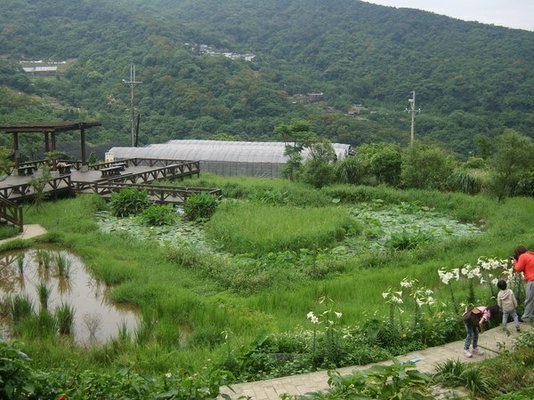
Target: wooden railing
x,y
11,213
160,194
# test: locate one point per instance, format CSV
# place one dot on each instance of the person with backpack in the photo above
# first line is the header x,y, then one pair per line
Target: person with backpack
x,y
524,262
507,303
474,318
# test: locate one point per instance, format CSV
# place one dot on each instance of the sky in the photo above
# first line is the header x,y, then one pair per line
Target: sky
x,y
518,14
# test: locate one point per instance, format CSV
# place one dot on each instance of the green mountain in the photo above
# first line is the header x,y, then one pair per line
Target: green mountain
x,y
470,79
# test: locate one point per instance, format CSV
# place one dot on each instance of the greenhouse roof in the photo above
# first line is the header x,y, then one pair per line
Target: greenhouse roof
x,y
215,150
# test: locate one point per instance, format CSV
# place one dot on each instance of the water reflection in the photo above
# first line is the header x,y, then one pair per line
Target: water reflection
x,y
96,319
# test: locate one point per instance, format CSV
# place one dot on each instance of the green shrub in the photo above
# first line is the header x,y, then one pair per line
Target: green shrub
x,y
129,202
525,184
317,173
475,163
200,206
159,215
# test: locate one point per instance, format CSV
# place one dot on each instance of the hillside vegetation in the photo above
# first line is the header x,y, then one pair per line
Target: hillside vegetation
x,y
471,79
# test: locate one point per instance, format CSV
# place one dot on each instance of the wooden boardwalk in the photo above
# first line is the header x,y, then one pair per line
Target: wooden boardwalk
x,y
135,173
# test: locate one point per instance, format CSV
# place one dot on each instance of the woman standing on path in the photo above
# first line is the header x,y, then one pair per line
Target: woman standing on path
x,y
524,262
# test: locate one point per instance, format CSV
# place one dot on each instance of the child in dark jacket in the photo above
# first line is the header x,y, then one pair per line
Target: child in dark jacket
x,y
474,318
507,303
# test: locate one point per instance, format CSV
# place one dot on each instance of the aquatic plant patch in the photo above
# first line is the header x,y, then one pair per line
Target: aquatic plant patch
x,y
403,226
178,232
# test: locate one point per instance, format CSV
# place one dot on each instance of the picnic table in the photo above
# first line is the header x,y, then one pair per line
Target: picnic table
x,y
64,168
24,170
112,170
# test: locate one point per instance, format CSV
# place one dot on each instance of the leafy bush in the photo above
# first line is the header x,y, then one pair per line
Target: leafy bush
x,y
426,167
525,184
405,240
129,202
17,379
158,215
200,206
317,173
20,380
395,381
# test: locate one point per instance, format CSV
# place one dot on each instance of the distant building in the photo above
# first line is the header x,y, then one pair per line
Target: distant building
x,y
357,109
41,69
227,158
314,96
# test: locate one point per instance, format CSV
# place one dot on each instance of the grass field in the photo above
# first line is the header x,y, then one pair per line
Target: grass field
x,y
191,315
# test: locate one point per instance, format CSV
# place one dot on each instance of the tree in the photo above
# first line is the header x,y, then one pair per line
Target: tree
x,y
318,170
426,166
297,136
5,161
484,146
511,161
384,161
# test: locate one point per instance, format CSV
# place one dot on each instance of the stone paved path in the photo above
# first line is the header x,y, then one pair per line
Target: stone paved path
x,y
28,231
492,342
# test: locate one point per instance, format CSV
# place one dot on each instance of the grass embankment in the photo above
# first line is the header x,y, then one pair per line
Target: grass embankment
x,y
186,308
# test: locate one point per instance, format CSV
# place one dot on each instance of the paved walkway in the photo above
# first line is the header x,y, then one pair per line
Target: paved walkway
x,y
492,342
28,231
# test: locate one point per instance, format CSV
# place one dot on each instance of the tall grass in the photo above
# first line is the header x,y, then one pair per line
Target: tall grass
x,y
20,264
64,314
20,306
43,292
258,228
44,259
63,265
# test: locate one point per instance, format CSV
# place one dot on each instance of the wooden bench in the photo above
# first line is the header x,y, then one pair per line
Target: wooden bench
x,y
112,171
24,170
64,169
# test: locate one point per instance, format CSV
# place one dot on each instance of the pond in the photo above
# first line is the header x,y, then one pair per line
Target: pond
x,y
96,319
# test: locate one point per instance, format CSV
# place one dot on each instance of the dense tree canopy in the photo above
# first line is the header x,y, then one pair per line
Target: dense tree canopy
x,y
472,80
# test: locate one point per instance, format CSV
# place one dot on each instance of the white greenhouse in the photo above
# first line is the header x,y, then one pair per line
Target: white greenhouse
x,y
263,159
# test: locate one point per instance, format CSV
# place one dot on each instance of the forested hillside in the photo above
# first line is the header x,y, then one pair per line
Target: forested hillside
x,y
471,79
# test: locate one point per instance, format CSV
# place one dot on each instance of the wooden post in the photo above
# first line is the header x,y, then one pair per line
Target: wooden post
x,y
16,156
82,143
53,141
47,142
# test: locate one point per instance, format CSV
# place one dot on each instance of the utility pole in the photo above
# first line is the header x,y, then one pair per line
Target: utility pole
x,y
412,111
132,82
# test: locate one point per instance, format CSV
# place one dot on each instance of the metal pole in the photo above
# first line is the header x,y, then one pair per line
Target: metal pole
x,y
412,132
132,105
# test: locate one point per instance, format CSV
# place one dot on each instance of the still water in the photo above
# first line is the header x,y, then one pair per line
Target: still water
x,y
96,319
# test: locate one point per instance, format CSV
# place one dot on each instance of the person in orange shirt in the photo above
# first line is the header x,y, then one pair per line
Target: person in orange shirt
x,y
524,262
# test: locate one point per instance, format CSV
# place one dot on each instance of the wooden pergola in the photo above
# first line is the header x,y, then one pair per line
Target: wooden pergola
x,y
49,129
